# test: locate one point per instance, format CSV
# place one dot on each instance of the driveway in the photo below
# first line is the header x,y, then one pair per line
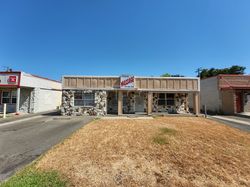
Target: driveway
x,y
241,123
22,142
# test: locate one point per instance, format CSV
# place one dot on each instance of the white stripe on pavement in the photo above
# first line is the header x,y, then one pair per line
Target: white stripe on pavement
x,y
232,120
19,121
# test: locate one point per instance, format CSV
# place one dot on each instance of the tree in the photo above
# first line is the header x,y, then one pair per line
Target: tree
x,y
237,70
204,73
166,75
177,75
198,71
169,75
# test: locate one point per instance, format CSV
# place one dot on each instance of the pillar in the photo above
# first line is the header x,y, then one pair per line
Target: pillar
x,y
120,102
150,102
196,104
18,99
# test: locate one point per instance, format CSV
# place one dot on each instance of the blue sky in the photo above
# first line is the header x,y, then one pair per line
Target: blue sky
x,y
114,37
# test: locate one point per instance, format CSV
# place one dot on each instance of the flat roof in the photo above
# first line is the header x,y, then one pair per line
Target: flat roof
x,y
37,76
227,75
144,77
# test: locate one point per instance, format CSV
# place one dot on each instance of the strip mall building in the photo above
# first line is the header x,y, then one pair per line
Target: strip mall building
x,y
101,95
27,93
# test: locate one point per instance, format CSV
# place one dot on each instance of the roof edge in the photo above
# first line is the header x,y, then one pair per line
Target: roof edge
x,y
145,77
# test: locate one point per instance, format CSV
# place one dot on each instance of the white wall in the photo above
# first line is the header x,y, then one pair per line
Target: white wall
x,y
28,80
46,100
210,95
45,96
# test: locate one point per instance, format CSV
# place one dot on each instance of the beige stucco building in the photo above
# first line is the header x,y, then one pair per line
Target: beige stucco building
x,y
101,95
226,94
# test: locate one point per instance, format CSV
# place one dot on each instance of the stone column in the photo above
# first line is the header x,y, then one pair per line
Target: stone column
x,y
120,102
18,99
196,104
150,103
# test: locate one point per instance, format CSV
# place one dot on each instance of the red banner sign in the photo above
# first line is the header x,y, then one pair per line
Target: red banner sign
x,y
9,79
127,82
12,79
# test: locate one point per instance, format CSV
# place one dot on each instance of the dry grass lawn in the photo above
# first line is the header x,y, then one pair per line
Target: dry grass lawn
x,y
165,151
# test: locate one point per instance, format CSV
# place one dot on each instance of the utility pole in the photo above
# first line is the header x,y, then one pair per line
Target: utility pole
x,y
6,68
198,71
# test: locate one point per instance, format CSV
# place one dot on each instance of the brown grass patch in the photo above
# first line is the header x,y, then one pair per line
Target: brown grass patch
x,y
198,152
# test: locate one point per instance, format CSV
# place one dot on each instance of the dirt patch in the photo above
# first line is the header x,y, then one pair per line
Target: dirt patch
x,y
198,152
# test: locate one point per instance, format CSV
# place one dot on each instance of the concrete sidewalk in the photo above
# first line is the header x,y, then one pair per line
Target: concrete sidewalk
x,y
229,118
244,114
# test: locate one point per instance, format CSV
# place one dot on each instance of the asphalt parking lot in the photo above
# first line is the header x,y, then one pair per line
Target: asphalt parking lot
x,y
22,142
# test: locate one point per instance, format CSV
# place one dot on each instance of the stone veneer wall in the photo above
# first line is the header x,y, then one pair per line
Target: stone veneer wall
x,y
25,99
155,102
29,99
68,108
34,100
181,104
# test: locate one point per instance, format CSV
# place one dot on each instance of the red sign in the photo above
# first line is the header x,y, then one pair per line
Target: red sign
x,y
12,79
127,82
9,78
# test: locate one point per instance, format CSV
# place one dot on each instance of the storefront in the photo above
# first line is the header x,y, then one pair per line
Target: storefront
x,y
26,93
235,93
101,95
226,94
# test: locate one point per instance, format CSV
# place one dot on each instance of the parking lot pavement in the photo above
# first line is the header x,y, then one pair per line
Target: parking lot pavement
x,y
234,121
22,142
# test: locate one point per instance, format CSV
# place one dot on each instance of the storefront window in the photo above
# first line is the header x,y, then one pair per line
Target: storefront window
x,y
6,97
170,99
9,97
78,95
88,99
84,99
162,99
166,99
13,97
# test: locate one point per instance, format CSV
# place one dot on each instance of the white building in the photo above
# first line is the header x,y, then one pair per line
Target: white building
x,y
27,93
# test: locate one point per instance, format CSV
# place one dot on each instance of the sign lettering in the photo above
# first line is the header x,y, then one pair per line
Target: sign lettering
x,y
12,79
127,82
9,79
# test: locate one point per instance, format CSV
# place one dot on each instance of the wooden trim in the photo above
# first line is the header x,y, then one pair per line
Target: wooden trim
x,y
147,84
150,103
120,103
196,104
